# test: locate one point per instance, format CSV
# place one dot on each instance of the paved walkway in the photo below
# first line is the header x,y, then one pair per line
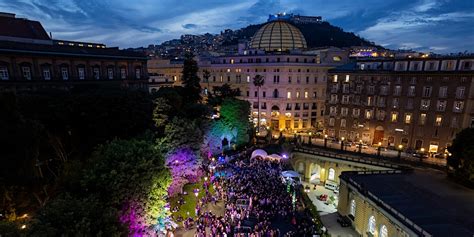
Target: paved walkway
x,y
217,209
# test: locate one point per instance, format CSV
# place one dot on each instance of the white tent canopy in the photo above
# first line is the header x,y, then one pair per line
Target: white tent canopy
x,y
259,152
290,174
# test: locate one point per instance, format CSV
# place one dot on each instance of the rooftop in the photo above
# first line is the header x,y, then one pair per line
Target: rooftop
x,y
58,50
427,198
21,28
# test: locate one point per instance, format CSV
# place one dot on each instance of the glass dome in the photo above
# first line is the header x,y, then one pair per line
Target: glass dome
x,y
278,36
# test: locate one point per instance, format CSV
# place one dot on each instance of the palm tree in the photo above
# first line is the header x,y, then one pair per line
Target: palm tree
x,y
258,81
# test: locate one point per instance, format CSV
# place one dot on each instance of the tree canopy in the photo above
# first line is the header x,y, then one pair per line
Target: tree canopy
x,y
462,156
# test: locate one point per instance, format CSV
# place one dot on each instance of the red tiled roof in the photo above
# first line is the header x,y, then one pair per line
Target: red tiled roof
x,y
22,28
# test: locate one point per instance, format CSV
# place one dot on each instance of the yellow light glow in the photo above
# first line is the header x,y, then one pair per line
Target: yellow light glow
x,y
325,136
400,146
343,138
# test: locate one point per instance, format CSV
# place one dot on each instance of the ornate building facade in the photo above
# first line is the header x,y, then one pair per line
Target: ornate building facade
x,y
419,103
30,59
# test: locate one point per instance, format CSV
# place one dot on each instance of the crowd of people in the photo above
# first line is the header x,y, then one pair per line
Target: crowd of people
x,y
257,203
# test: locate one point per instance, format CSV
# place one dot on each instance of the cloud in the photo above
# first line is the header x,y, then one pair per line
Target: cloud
x,y
439,25
190,26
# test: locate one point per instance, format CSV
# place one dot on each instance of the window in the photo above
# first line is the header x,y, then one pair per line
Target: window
x,y
345,88
315,94
110,73
123,73
397,91
306,95
275,93
443,92
332,121
460,92
255,94
454,122
64,73
394,117
138,73
46,74
355,113
411,91
264,94
4,73
458,106
333,98
407,118
26,72
345,99
96,73
427,91
383,90
347,78
422,119
371,89
81,73
343,123
344,111
413,80
331,174
441,105
288,95
439,120
383,231
372,225
288,106
352,210
334,79
409,104
297,95
395,103
368,114
333,110
425,104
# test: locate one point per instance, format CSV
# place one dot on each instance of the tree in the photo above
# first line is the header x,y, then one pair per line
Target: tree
x,y
130,175
258,82
192,88
461,161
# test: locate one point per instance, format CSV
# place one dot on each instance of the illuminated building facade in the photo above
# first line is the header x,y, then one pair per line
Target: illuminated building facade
x,y
419,103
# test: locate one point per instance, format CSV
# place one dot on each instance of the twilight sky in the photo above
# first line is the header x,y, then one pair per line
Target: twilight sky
x,y
440,26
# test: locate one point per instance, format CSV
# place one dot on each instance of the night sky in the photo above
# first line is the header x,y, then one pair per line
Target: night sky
x,y
441,26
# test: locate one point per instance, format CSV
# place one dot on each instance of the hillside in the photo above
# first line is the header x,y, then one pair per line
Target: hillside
x,y
316,34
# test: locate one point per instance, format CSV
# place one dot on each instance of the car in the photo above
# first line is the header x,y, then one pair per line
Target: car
x,y
331,185
323,197
344,221
420,155
440,155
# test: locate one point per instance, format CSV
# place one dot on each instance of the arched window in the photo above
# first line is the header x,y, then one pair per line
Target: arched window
x,y
372,224
353,208
383,231
331,174
301,167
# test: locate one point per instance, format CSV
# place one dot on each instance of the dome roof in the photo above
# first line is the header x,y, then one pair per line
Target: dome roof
x,y
278,36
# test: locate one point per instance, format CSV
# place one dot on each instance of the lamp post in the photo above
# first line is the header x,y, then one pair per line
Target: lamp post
x,y
342,143
379,148
310,138
360,146
422,151
325,140
400,147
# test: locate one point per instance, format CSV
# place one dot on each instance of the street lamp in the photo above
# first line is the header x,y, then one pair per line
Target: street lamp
x,y
196,192
342,143
379,148
310,138
400,147
325,140
360,146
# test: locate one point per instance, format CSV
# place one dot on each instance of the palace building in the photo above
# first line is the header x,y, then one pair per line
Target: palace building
x,y
30,59
418,103
294,90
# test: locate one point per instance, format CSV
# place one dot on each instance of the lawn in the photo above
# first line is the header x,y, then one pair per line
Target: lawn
x,y
189,200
